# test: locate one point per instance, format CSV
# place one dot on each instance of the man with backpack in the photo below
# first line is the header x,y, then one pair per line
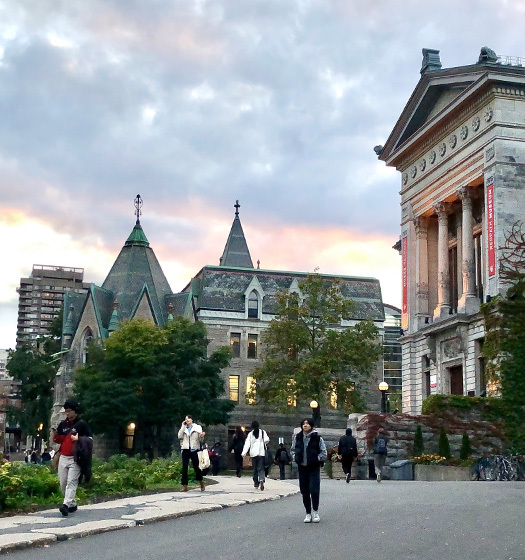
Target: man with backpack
x,y
347,450
380,452
282,458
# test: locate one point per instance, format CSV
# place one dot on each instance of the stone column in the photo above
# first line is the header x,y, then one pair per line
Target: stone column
x,y
443,307
468,303
421,229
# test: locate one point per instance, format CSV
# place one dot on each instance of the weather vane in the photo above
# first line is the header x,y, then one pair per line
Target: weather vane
x,y
236,206
138,206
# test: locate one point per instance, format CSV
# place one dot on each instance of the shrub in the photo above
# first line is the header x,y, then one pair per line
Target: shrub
x,y
443,444
466,450
419,446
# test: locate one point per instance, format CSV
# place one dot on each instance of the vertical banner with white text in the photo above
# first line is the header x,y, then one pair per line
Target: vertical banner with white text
x,y
404,256
490,228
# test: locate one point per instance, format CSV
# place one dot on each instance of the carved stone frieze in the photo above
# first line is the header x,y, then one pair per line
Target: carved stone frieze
x,y
463,133
475,124
452,141
405,178
422,165
488,114
490,153
442,149
413,171
432,156
452,348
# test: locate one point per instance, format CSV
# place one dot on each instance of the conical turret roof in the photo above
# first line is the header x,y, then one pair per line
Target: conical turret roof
x,y
236,252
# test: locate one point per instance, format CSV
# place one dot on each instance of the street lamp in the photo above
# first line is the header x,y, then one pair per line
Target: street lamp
x,y
383,387
316,412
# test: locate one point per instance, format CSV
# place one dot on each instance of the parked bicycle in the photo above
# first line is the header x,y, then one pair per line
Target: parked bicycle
x,y
498,467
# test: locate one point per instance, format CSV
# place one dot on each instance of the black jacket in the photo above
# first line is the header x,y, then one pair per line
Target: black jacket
x,y
84,456
312,450
347,446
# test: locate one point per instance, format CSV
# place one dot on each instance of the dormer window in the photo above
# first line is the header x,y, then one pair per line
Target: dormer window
x,y
253,305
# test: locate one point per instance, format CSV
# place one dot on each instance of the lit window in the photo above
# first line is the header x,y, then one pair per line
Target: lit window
x,y
129,436
252,347
250,390
253,306
235,344
234,388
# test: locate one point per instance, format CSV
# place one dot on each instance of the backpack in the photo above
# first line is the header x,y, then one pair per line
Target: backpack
x,y
380,447
284,457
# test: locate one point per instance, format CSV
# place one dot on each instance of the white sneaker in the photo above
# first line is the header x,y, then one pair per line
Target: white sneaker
x,y
379,478
315,517
308,518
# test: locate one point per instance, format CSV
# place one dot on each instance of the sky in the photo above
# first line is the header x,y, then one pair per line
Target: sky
x,y
194,104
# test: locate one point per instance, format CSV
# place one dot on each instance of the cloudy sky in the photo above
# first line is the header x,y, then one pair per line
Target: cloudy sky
x,y
196,103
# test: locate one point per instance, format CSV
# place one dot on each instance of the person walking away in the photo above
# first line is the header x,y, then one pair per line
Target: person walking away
x,y
380,452
309,452
236,446
282,458
215,458
190,436
255,444
347,450
46,456
67,434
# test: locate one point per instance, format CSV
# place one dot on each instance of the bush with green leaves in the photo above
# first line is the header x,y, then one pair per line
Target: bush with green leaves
x,y
443,444
466,449
419,446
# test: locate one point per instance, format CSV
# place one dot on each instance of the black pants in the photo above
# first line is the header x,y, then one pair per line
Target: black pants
x,y
310,486
215,465
238,463
282,470
346,461
186,456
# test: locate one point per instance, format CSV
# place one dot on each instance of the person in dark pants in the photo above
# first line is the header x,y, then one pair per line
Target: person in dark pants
x,y
190,437
282,459
347,450
235,447
255,444
309,451
380,452
215,458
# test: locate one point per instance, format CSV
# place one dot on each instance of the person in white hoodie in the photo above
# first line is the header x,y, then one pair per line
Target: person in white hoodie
x,y
255,444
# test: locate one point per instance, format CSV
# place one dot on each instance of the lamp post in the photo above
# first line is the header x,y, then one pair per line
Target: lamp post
x,y
316,412
383,387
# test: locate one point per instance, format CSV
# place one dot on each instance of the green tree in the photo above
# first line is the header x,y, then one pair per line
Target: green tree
x,y
504,346
443,444
466,449
308,355
419,446
153,377
36,372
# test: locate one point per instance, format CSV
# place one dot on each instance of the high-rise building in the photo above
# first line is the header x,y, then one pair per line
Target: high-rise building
x,y
41,297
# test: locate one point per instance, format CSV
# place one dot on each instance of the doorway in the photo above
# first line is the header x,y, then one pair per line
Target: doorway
x,y
456,380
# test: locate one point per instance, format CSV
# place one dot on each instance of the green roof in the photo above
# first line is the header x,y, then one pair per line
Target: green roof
x,y
137,237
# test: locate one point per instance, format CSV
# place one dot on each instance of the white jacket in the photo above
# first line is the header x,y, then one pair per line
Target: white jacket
x,y
256,446
191,441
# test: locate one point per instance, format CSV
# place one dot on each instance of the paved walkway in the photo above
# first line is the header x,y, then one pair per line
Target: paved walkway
x,y
44,528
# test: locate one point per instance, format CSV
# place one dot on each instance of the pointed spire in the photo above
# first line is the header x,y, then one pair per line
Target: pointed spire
x,y
236,252
114,321
137,237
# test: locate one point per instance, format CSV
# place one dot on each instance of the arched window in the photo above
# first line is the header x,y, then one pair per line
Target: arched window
x,y
84,347
253,305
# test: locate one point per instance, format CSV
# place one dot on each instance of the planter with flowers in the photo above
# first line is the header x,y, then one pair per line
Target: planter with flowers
x,y
430,468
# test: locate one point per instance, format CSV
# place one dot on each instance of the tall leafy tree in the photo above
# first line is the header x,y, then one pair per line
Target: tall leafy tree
x,y
504,346
153,377
308,354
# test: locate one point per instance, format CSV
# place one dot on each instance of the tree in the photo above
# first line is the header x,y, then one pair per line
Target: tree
x,y
504,346
466,449
419,446
443,444
36,372
308,354
153,377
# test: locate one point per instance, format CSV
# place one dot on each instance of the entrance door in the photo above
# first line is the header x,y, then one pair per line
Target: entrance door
x,y
456,380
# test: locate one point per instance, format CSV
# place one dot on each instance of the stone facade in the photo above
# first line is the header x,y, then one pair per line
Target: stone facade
x,y
459,148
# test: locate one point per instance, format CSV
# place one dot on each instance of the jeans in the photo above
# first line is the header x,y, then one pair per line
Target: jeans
x,y
310,486
186,456
282,470
68,474
258,469
379,462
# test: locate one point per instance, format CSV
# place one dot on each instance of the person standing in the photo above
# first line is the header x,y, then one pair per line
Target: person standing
x,y
380,452
236,447
348,452
255,444
309,451
215,458
190,437
67,435
282,458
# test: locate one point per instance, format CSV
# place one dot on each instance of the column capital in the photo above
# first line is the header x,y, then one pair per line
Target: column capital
x,y
420,226
441,209
464,194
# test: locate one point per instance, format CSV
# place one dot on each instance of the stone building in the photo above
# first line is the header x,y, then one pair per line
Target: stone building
x,y
459,147
234,300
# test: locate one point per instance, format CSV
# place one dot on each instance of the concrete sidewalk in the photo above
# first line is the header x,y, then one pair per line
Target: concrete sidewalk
x,y
44,528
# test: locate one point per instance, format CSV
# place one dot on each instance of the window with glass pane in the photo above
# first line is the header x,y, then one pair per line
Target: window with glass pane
x,y
234,388
252,346
250,389
235,345
253,306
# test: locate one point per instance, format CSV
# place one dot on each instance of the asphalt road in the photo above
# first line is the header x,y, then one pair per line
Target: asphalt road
x,y
363,519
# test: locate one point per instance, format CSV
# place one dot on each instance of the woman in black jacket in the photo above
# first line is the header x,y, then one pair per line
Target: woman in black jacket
x,y
235,447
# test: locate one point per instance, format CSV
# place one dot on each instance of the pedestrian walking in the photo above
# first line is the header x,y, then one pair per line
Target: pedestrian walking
x,y
282,458
347,450
255,444
236,446
380,452
215,458
71,433
309,452
190,437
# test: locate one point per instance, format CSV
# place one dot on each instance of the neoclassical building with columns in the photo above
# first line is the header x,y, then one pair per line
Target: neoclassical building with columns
x,y
459,145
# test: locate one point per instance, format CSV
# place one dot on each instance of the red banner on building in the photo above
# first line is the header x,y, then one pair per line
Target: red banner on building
x,y
490,230
404,253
